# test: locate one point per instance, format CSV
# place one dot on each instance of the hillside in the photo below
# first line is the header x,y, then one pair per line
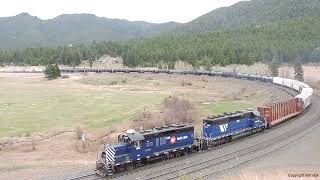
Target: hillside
x,y
247,32
252,12
25,30
291,40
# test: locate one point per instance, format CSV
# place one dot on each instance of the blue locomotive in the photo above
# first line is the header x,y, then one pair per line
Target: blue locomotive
x,y
138,147
221,129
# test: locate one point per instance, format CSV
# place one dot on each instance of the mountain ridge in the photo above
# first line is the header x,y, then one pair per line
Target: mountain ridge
x,y
24,30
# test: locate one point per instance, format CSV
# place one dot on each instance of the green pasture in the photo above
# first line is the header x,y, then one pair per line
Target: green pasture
x,y
216,108
27,108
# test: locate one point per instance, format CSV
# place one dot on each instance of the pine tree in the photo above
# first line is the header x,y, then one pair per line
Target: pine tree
x,y
274,66
52,71
298,71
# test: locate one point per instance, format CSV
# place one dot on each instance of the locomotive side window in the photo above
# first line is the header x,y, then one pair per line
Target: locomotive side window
x,y
137,144
162,140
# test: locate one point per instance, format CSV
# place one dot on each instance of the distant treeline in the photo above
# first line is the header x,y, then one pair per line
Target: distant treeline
x,y
68,55
289,41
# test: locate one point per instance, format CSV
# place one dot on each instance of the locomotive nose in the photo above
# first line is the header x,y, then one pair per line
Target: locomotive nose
x,y
110,154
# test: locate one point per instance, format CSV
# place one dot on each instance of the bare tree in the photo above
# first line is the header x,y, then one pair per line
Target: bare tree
x,y
174,110
178,110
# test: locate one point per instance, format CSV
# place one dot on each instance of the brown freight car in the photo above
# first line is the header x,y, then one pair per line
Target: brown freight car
x,y
280,111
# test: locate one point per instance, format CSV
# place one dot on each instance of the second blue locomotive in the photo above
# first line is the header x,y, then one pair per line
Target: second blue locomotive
x,y
221,129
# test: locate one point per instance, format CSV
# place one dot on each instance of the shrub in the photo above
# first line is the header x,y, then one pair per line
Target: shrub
x,y
174,110
52,71
113,83
33,146
186,83
65,76
79,133
298,71
124,80
178,110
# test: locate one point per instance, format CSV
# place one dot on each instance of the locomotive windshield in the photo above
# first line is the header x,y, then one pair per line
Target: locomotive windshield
x,y
124,138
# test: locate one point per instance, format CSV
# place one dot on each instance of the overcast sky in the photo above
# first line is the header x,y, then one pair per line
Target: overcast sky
x,y
157,11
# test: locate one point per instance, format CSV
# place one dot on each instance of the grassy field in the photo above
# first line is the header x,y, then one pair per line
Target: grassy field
x,y
216,108
29,103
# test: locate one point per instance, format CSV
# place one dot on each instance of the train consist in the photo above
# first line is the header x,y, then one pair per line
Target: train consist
x,y
135,148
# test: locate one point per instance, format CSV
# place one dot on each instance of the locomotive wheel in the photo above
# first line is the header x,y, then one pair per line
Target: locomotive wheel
x,y
171,155
177,154
129,166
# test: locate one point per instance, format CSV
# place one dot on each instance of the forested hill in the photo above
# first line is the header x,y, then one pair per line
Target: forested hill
x,y
25,30
292,40
257,30
252,12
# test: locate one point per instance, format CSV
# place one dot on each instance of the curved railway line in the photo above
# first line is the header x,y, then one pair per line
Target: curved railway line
x,y
219,159
199,168
195,166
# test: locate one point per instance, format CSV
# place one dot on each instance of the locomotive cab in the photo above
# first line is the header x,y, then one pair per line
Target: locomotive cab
x,y
129,143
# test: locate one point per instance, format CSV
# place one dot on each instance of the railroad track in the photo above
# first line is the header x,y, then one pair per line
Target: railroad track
x,y
210,166
87,176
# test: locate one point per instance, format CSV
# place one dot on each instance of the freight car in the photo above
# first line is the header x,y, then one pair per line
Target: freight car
x,y
278,112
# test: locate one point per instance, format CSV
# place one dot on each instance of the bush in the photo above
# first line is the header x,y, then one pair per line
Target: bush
x,y
186,83
174,110
79,133
65,76
52,71
124,80
113,83
298,72
178,110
